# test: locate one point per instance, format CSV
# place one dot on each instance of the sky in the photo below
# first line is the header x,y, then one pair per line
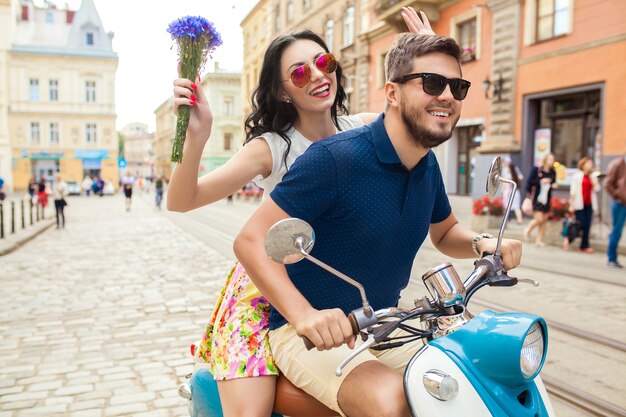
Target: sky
x,y
147,55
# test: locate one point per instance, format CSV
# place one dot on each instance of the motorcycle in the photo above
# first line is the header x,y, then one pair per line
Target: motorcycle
x,y
486,365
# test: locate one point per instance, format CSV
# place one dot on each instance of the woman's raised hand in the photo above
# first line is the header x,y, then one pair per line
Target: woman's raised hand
x,y
191,94
417,24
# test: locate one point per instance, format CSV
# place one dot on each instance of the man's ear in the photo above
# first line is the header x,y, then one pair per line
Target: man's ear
x,y
391,94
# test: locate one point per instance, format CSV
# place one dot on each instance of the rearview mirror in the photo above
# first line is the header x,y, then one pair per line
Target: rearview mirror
x,y
286,240
494,176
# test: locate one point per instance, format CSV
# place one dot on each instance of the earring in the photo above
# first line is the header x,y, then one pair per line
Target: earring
x,y
288,101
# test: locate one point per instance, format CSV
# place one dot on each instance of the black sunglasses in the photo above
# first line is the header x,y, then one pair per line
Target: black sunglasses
x,y
434,84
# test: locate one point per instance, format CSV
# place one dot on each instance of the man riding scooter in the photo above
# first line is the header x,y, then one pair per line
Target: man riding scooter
x,y
371,195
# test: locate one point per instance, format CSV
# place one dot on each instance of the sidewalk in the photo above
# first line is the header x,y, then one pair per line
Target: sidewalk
x,y
21,235
598,240
97,318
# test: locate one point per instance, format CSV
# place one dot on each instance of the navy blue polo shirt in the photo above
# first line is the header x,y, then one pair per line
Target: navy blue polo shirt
x,y
370,215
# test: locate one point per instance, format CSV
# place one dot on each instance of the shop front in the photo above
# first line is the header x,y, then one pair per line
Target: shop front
x,y
567,123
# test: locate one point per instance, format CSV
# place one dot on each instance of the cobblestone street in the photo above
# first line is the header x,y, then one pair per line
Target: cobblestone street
x,y
96,319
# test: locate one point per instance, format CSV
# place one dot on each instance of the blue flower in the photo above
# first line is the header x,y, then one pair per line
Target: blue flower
x,y
195,28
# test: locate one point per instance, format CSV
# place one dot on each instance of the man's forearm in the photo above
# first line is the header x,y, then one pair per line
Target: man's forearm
x,y
457,242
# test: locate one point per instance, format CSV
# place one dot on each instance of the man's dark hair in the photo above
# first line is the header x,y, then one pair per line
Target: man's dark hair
x,y
407,46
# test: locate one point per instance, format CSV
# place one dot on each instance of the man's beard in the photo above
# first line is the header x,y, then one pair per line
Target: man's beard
x,y
419,134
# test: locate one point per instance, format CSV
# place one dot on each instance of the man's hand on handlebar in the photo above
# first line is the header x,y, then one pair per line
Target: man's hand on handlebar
x,y
326,329
510,250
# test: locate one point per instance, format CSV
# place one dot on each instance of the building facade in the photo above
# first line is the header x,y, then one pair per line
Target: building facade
x,y
59,79
139,149
338,22
545,78
256,28
223,91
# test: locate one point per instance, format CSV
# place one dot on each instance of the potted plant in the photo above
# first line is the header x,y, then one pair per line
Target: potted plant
x,y
487,213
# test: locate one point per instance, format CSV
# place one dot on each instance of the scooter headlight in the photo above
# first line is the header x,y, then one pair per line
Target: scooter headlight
x,y
531,355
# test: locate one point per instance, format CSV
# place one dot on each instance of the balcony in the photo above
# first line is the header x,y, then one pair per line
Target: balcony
x,y
388,11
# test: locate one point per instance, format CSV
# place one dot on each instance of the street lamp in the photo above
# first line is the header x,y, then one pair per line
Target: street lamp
x,y
495,86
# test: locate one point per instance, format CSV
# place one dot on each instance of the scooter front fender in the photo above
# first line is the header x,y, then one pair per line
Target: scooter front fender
x,y
422,404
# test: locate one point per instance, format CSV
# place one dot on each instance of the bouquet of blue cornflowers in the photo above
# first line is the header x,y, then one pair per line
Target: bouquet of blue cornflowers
x,y
197,38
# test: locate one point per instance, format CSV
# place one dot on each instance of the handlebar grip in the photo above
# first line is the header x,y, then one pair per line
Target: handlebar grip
x,y
354,324
307,343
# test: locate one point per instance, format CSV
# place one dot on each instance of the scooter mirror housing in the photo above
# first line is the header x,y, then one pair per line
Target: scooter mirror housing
x,y
494,176
286,240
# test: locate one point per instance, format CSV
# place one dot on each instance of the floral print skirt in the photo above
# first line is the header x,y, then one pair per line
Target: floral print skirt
x,y
235,343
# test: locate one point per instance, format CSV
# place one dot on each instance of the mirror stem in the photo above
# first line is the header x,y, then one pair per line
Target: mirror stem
x,y
506,214
367,310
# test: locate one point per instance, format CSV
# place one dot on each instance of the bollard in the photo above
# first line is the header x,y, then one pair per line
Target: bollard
x,y
31,210
1,220
12,217
37,208
22,210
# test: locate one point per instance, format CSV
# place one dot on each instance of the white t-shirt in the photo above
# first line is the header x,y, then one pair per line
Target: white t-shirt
x,y
299,144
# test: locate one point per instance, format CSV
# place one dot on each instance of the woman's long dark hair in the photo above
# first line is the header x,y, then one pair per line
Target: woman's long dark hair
x,y
269,113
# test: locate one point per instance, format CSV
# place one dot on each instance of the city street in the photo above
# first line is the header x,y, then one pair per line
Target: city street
x,y
96,318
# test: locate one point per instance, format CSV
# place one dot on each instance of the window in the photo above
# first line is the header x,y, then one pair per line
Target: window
x,y
35,137
54,90
552,18
277,18
90,91
290,12
229,106
329,33
89,38
466,37
90,133
306,4
54,133
348,27
33,90
228,141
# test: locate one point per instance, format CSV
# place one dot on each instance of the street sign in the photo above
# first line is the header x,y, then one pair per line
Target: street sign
x,y
121,162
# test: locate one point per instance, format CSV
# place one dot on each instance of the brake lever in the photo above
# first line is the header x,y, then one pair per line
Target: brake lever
x,y
366,345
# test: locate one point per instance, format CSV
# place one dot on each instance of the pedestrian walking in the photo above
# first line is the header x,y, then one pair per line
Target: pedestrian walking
x,y
32,189
127,185
42,194
59,192
158,186
541,181
87,184
511,172
100,184
615,184
583,202
2,193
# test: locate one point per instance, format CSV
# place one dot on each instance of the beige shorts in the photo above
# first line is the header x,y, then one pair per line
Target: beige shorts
x,y
314,371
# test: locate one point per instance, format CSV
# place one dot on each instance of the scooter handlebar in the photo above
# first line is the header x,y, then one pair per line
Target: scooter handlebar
x,y
355,330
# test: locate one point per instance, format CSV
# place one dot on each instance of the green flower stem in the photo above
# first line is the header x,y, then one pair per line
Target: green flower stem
x,y
192,58
184,112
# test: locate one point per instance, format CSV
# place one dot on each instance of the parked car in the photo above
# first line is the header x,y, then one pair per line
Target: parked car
x,y
73,188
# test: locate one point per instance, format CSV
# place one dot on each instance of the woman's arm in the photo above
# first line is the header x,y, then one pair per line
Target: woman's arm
x,y
186,191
